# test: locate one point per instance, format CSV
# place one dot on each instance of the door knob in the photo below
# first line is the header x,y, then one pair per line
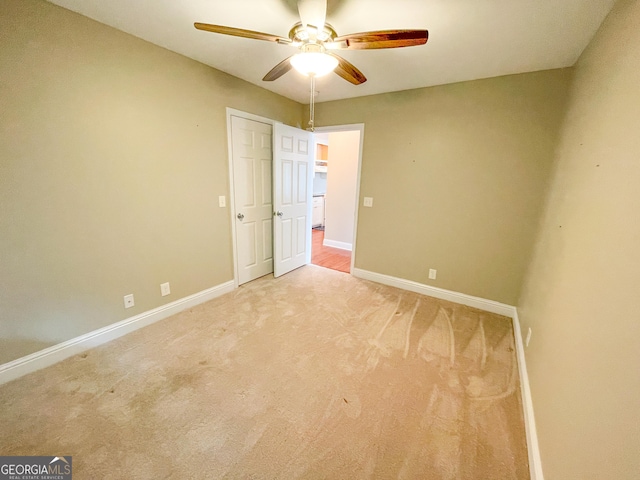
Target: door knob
x,y
240,216
279,214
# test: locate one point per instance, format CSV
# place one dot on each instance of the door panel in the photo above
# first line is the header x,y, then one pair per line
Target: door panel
x,y
245,194
250,244
252,180
301,235
286,142
302,191
287,183
267,239
267,182
286,230
292,198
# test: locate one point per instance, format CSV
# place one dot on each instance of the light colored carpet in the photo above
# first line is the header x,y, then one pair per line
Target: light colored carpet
x,y
316,374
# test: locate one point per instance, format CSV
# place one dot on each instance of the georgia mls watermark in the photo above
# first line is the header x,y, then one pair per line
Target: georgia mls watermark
x,y
35,468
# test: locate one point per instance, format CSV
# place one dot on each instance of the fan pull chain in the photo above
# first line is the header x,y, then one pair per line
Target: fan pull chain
x,y
312,104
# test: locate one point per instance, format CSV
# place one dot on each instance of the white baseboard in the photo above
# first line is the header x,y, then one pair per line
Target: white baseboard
x,y
535,462
56,353
535,465
337,244
442,294
49,356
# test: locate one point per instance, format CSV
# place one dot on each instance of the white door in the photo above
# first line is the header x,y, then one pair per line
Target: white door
x,y
292,187
252,163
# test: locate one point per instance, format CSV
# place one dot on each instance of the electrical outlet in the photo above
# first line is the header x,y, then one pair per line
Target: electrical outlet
x,y
368,201
222,201
432,273
165,289
528,339
128,301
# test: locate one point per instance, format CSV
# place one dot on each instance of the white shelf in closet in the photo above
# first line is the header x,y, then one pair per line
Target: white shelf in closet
x,y
322,157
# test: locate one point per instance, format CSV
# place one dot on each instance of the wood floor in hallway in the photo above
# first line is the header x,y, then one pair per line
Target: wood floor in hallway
x,y
329,257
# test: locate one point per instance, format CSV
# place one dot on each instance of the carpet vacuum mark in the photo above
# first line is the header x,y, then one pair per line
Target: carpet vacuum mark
x,y
315,374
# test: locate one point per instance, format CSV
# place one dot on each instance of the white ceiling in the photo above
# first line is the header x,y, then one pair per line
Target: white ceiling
x,y
468,39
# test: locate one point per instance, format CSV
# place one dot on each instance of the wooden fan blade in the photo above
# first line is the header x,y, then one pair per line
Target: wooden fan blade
x,y
239,32
384,39
348,71
279,70
336,45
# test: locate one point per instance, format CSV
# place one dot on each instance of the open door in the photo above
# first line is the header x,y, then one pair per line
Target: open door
x,y
292,192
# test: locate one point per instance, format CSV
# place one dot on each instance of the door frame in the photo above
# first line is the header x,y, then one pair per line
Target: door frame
x,y
350,128
232,207
327,129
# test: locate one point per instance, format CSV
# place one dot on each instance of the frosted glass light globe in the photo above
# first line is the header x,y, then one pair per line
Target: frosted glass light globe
x,y
314,63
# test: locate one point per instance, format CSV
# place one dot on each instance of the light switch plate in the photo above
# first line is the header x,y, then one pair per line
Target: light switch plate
x,y
368,201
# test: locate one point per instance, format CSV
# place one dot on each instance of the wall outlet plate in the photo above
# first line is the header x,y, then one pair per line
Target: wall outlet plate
x,y
222,201
165,289
128,301
432,273
368,201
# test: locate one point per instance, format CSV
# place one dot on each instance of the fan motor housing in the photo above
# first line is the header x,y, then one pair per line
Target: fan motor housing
x,y
305,34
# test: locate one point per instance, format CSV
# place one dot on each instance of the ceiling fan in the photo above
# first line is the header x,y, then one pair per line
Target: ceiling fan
x,y
316,41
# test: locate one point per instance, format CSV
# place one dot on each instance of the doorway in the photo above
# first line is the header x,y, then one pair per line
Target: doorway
x,y
338,156
273,180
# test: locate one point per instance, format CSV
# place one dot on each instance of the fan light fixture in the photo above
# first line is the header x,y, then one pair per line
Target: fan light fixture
x,y
312,35
313,61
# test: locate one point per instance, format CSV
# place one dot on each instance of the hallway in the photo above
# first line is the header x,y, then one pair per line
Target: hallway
x,y
329,257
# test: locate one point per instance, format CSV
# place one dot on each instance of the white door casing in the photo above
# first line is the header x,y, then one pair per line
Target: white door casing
x,y
349,128
292,187
251,143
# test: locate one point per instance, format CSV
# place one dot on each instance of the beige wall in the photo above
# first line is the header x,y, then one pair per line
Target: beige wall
x,y
457,174
342,184
582,295
113,153
112,156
